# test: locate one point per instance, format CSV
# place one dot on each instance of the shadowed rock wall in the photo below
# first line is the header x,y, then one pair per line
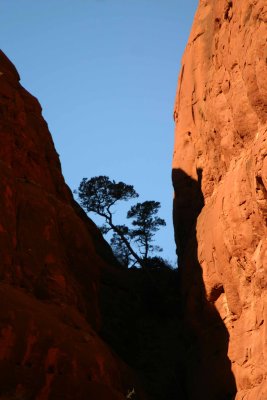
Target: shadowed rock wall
x,y
51,259
220,115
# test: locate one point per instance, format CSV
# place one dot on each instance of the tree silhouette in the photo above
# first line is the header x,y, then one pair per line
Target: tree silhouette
x,y
147,223
99,194
119,248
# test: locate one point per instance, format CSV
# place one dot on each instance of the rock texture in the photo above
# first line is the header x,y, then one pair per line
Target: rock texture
x,y
220,206
51,258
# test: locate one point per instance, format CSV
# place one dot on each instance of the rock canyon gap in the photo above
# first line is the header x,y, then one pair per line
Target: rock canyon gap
x,y
69,328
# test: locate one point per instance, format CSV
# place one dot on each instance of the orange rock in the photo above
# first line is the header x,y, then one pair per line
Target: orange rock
x,y
51,259
220,158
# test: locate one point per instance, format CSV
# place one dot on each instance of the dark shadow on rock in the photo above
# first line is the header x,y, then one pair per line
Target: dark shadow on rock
x,y
206,366
142,325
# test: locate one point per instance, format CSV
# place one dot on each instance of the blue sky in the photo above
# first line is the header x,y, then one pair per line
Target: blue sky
x,y
105,73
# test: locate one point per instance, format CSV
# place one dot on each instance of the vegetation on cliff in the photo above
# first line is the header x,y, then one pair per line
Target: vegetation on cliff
x,y
131,245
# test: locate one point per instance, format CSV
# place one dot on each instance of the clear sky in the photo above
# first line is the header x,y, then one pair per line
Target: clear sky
x,y
105,73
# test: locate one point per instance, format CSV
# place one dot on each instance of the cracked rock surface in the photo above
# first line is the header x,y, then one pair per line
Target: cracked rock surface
x,y
220,205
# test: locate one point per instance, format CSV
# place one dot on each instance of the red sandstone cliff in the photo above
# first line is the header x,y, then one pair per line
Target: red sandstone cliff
x,y
51,256
220,205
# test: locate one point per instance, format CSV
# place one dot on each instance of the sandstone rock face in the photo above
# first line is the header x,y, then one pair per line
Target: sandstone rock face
x,y
51,256
220,206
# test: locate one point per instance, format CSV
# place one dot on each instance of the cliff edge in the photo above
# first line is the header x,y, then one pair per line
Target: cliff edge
x,y
52,257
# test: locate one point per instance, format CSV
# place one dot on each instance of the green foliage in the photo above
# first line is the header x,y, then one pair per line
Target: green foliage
x,y
99,194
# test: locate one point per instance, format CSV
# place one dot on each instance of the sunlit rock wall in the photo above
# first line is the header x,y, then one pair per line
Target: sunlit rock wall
x,y
220,164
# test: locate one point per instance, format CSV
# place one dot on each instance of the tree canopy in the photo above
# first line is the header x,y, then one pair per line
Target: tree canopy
x,y
131,245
